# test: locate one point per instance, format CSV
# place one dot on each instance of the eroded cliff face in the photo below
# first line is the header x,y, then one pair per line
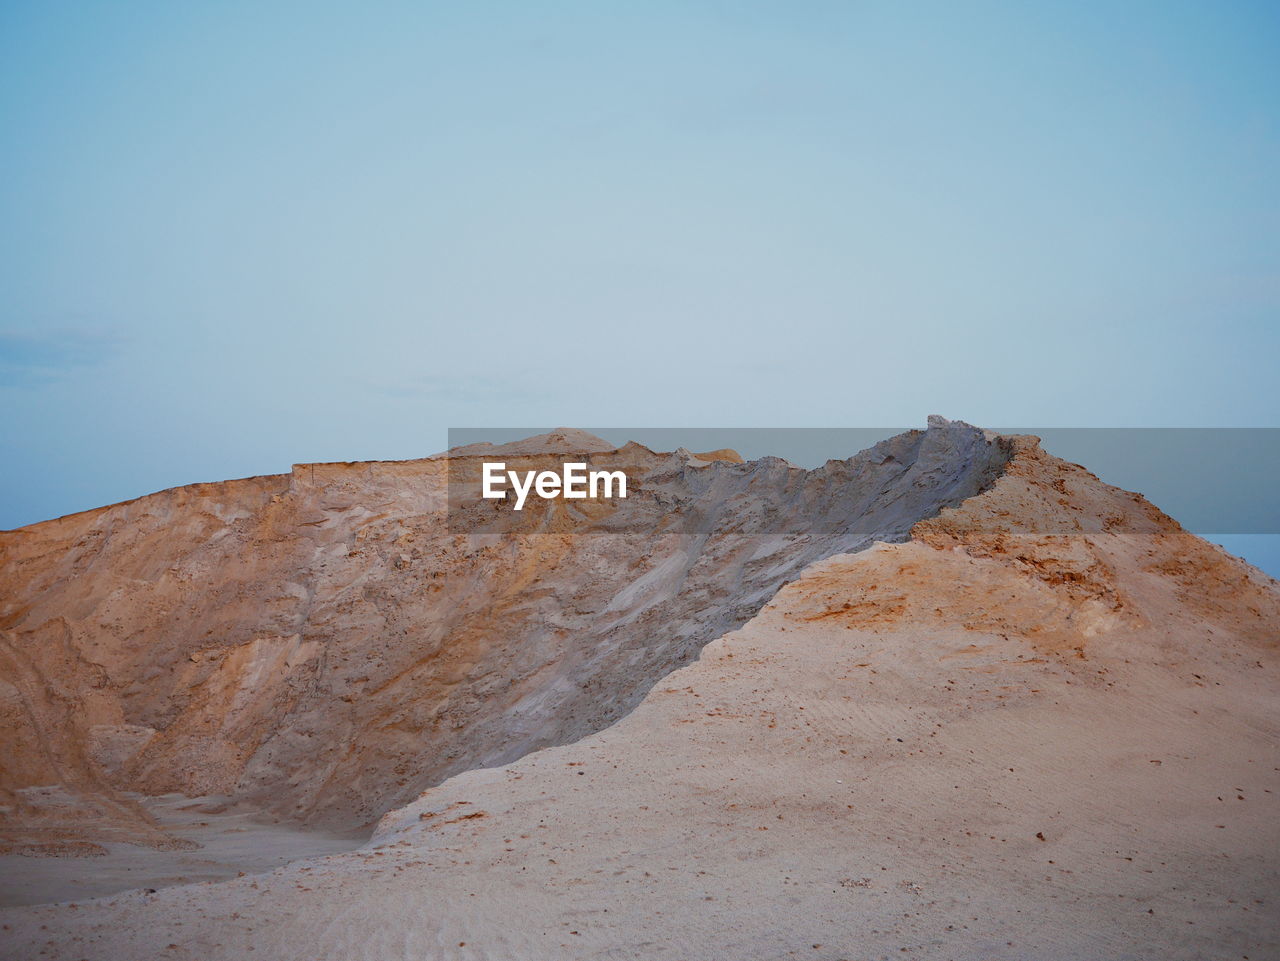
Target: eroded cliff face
x,y
323,646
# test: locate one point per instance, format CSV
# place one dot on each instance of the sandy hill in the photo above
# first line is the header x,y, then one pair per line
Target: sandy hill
x,y
1040,724
323,645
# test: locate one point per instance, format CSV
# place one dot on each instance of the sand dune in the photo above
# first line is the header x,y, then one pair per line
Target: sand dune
x,y
322,645
1044,726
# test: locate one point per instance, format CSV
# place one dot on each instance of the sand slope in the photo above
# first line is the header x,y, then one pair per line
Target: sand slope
x,y
322,645
1046,727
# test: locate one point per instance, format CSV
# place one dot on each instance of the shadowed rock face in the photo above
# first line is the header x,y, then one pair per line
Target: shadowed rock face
x,y
322,645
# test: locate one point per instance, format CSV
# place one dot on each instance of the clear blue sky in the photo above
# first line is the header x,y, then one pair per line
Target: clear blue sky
x,y
234,236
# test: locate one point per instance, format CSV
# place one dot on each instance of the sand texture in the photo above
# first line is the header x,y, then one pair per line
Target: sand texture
x,y
321,645
1044,725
